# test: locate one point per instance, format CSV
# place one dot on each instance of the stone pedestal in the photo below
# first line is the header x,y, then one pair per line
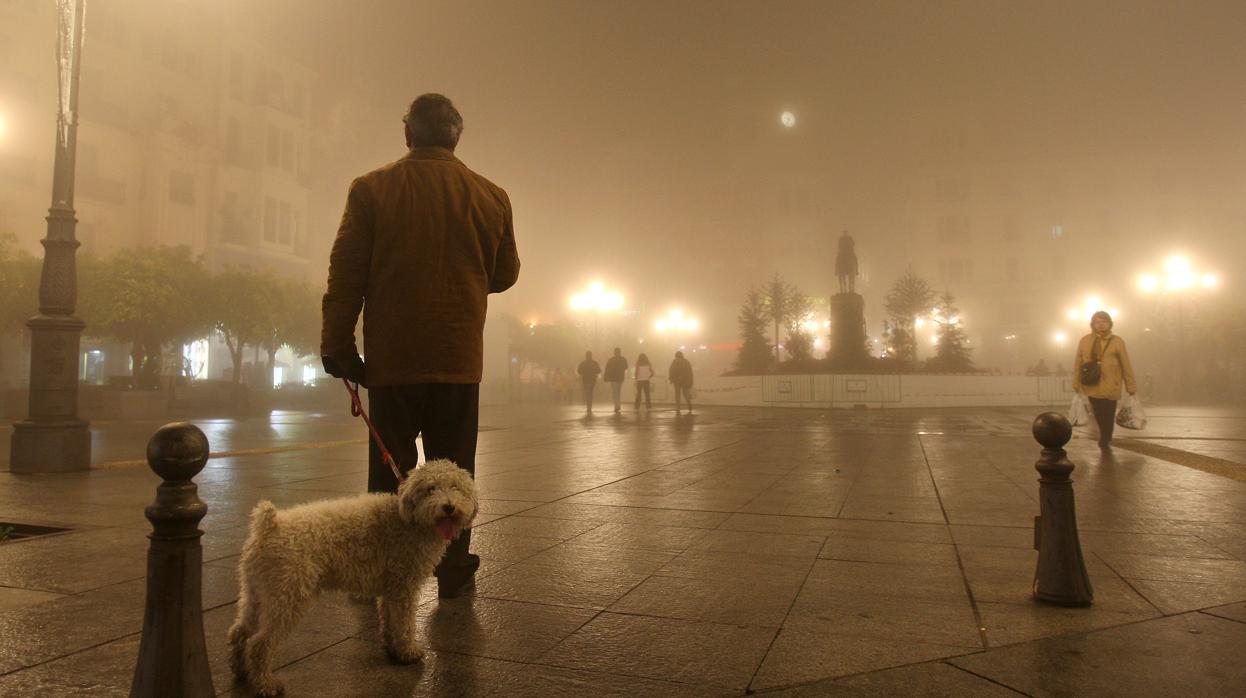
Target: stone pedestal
x,y
848,331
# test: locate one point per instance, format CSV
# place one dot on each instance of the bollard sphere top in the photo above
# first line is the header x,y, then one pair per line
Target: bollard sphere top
x,y
177,451
1052,430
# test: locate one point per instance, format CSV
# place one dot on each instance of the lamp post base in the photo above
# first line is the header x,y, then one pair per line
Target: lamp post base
x,y
50,447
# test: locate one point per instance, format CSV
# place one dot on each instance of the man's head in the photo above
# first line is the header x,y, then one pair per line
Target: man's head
x,y
618,351
588,355
679,355
1101,322
432,120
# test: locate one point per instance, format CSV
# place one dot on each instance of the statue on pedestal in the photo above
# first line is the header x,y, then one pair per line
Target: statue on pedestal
x,y
848,339
846,264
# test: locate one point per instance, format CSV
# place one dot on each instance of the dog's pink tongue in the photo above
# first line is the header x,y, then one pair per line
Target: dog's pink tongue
x,y
447,529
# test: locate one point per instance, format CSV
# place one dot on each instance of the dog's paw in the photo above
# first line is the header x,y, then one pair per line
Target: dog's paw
x,y
405,655
270,688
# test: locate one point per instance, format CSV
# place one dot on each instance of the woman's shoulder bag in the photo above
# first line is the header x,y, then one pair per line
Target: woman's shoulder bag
x,y
1092,371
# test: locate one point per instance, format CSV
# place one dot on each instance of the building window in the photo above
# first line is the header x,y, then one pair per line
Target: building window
x,y
182,188
951,229
287,151
951,190
270,219
284,224
231,225
274,146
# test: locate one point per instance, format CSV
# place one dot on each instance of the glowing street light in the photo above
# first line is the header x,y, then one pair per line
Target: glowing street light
x,y
676,321
1179,276
597,298
788,119
1180,279
1091,305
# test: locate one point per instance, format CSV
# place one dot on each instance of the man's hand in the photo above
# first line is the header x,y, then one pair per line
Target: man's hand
x,y
349,366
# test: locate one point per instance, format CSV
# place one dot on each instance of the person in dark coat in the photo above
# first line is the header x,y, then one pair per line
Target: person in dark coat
x,y
588,370
422,243
616,371
680,376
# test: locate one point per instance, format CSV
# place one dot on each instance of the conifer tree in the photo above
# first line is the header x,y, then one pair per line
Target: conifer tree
x,y
754,355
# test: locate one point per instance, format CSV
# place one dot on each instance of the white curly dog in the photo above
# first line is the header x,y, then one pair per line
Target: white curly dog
x,y
379,546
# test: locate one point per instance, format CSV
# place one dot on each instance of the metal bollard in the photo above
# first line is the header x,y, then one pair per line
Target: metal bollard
x,y
172,657
1061,574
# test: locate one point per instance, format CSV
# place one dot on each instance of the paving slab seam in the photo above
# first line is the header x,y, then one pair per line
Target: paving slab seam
x,y
778,631
984,678
1128,583
960,562
243,452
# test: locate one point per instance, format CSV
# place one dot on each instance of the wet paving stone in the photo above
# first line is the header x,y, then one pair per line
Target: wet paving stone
x,y
797,552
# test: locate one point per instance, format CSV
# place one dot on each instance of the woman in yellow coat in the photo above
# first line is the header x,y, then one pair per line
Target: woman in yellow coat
x,y
1109,350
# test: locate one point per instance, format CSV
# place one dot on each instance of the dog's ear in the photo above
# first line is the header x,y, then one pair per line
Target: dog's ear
x,y
409,493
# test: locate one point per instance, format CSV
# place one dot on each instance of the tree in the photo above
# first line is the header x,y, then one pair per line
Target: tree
x,y
799,338
908,298
243,306
147,297
777,297
19,285
951,354
549,346
294,317
754,355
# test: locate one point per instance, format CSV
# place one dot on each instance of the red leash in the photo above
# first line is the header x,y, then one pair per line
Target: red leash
x,y
356,410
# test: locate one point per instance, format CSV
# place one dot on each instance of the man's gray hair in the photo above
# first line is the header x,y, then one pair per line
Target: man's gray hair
x,y
433,120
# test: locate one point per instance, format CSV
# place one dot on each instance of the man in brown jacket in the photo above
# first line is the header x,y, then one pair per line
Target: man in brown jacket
x,y
422,243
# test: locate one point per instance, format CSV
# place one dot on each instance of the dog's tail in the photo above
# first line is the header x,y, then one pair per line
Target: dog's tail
x,y
263,518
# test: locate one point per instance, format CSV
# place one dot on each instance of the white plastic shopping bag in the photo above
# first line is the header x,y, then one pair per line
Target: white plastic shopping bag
x,y
1129,413
1079,410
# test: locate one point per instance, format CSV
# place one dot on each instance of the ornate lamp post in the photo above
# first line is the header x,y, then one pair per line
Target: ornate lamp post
x,y
52,438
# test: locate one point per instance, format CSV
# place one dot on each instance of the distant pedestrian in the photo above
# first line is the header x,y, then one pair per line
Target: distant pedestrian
x,y
680,375
1103,384
588,370
558,384
616,372
644,374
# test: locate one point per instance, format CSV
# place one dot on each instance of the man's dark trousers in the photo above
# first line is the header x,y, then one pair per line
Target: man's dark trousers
x,y
447,415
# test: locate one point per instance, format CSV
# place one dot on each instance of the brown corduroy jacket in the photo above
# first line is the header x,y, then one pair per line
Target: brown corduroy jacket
x,y
422,243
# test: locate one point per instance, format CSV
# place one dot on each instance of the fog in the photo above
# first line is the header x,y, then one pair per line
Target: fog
x,y
1021,156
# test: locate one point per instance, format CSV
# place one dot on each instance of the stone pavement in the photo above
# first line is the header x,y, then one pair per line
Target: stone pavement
x,y
775,551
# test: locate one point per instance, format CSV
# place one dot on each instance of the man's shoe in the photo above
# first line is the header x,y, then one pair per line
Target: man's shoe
x,y
453,581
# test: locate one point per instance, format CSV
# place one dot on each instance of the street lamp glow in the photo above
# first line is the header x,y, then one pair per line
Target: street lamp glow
x,y
1179,275
1060,338
677,321
596,298
788,119
4,126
